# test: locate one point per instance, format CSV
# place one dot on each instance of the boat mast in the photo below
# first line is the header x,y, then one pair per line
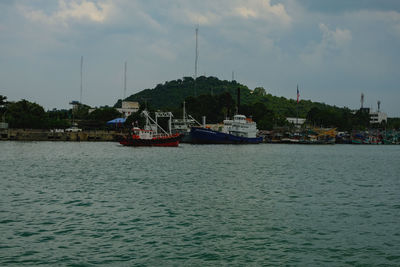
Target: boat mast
x,y
148,118
184,113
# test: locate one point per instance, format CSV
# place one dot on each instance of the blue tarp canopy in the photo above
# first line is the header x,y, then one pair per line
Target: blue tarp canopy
x,y
117,121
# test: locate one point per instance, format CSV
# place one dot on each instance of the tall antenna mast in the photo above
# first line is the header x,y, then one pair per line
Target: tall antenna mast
x,y
197,53
233,76
125,81
362,100
196,59
80,99
379,105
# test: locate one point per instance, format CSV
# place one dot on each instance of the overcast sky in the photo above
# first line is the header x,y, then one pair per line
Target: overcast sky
x,y
334,49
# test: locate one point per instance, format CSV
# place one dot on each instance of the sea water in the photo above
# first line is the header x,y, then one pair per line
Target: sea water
x,y
86,204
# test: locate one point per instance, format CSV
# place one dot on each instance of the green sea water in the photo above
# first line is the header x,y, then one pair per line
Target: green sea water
x,y
90,204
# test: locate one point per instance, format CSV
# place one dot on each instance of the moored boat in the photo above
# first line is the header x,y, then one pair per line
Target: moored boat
x,y
240,130
149,136
141,137
183,126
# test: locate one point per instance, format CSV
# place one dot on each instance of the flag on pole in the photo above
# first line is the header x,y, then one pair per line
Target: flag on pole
x,y
298,94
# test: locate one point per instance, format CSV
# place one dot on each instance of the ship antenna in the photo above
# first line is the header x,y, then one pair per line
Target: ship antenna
x,y
184,112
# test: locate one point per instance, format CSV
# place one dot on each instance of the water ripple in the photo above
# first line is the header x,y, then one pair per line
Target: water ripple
x,y
87,204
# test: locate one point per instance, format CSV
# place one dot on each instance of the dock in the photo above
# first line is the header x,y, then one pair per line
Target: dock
x,y
47,135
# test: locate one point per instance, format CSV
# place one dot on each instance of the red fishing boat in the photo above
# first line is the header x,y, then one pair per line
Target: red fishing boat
x,y
141,137
149,136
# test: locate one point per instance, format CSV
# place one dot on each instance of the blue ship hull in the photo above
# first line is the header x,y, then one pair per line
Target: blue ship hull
x,y
207,136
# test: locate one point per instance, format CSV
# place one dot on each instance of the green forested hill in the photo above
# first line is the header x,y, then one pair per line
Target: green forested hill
x,y
216,99
170,95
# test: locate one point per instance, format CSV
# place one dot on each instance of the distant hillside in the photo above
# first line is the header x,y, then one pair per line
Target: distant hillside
x,y
170,96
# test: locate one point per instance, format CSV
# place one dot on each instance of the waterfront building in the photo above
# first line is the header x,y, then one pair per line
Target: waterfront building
x,y
377,117
128,107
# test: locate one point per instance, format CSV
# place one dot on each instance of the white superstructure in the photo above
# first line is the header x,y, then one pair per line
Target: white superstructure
x,y
183,125
240,126
128,107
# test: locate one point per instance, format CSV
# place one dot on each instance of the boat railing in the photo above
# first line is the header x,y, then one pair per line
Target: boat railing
x,y
162,135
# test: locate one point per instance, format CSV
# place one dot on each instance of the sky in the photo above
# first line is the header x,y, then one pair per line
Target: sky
x,y
334,50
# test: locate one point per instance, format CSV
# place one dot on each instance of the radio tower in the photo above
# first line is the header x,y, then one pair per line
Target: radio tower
x,y
362,100
197,53
80,99
195,60
379,105
125,81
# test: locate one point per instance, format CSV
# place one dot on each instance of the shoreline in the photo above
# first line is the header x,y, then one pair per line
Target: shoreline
x,y
47,135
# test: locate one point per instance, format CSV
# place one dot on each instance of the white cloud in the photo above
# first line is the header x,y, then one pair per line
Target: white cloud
x,y
70,10
389,18
210,12
332,41
264,10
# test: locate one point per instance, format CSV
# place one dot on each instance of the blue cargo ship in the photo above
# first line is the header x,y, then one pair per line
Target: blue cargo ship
x,y
240,130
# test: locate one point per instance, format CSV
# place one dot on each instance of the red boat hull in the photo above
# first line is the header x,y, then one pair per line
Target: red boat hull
x,y
167,141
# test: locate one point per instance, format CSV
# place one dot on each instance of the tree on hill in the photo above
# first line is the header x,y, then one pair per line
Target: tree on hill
x,y
81,112
3,100
259,91
215,108
171,94
58,119
104,114
265,118
136,118
393,123
24,114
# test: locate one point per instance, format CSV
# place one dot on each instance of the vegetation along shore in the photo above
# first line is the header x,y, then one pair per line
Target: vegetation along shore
x,y
205,96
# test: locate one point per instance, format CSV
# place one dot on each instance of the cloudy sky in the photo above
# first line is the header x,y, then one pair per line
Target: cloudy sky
x,y
334,49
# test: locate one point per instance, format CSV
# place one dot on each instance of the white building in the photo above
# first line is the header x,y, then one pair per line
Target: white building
x,y
296,121
377,117
128,107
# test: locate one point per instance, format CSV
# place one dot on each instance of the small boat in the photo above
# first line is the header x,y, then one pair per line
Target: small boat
x,y
149,136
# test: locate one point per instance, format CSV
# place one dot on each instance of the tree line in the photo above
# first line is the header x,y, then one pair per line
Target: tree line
x,y
204,96
28,115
